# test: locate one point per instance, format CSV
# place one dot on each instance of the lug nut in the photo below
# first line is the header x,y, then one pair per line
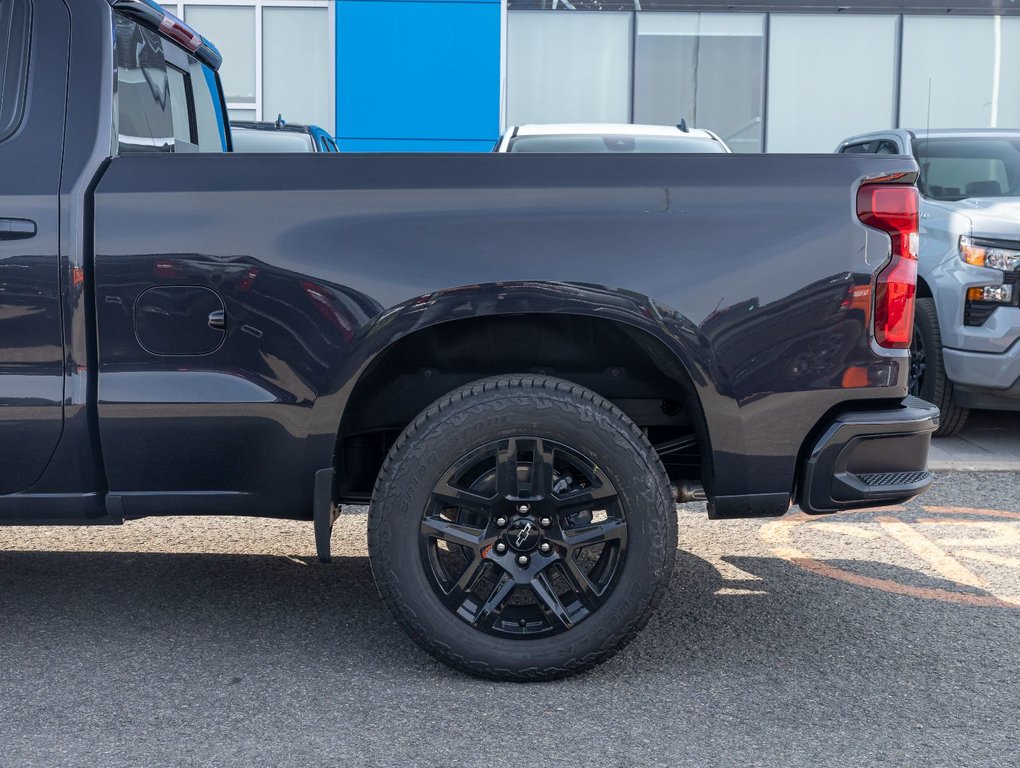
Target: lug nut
x,y
500,547
500,521
522,560
523,509
545,547
545,522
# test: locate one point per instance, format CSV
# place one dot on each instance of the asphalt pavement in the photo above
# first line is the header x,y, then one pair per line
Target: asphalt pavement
x,y
876,638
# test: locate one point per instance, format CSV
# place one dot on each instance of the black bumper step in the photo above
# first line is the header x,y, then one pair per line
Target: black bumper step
x,y
870,458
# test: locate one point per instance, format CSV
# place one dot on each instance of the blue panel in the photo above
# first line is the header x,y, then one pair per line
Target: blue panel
x,y
415,145
418,70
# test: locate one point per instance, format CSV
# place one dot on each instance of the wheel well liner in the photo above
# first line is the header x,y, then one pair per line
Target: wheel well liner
x,y
625,364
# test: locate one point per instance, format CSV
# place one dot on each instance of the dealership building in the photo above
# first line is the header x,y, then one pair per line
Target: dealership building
x,y
448,75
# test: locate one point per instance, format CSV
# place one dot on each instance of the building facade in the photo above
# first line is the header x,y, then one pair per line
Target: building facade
x,y
448,75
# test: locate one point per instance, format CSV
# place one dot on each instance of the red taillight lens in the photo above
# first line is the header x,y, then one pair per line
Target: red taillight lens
x,y
892,208
180,32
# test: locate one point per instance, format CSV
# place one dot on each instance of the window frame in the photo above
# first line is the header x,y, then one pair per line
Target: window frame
x,y
191,144
18,76
182,62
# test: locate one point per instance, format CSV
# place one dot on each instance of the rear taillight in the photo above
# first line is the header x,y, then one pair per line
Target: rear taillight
x,y
892,208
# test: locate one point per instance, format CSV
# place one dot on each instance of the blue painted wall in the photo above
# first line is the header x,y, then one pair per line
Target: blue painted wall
x,y
417,75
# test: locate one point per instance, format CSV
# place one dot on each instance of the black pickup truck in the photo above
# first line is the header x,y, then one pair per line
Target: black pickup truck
x,y
521,362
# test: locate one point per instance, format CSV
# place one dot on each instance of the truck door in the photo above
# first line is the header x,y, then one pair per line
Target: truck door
x,y
33,82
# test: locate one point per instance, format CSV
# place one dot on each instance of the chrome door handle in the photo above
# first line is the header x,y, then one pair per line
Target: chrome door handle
x,y
218,320
16,229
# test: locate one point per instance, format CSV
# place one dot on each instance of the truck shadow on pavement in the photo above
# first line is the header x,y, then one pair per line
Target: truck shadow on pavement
x,y
127,656
225,614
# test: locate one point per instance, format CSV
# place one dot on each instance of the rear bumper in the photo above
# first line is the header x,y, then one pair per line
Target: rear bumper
x,y
869,458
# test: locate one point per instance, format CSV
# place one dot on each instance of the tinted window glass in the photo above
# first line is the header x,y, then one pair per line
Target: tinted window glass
x,y
144,120
14,33
600,144
953,169
179,85
209,119
874,147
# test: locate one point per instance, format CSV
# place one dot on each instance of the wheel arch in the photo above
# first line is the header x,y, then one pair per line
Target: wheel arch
x,y
923,289
615,344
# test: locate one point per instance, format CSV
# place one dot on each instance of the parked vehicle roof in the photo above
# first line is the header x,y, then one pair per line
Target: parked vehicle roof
x,y
618,137
280,136
597,129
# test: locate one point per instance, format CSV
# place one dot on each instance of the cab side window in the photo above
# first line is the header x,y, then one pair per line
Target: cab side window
x,y
15,18
210,122
167,100
144,122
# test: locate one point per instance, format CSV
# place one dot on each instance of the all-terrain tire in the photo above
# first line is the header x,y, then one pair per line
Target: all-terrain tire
x,y
933,385
503,408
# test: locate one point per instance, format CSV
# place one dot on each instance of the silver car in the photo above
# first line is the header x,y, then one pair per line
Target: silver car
x,y
966,349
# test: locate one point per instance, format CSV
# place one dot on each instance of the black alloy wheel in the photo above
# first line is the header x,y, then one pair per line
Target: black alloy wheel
x,y
523,537
522,528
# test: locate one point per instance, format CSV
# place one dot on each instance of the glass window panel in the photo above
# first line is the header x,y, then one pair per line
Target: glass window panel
x,y
615,143
295,65
232,30
15,29
824,85
174,8
144,121
955,168
208,111
241,114
705,68
972,66
568,67
179,104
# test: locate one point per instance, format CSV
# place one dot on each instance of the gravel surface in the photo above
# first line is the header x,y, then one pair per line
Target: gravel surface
x,y
885,637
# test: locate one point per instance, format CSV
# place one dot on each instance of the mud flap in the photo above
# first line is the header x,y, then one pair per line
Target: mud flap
x,y
324,514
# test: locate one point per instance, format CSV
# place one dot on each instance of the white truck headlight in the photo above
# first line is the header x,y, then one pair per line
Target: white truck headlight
x,y
984,256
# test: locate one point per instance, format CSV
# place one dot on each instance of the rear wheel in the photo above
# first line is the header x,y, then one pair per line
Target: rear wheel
x,y
928,379
522,529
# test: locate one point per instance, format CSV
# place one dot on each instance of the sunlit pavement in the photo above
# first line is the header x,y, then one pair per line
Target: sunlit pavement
x,y
879,637
990,440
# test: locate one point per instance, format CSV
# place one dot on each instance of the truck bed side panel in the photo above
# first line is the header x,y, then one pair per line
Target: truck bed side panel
x,y
752,269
